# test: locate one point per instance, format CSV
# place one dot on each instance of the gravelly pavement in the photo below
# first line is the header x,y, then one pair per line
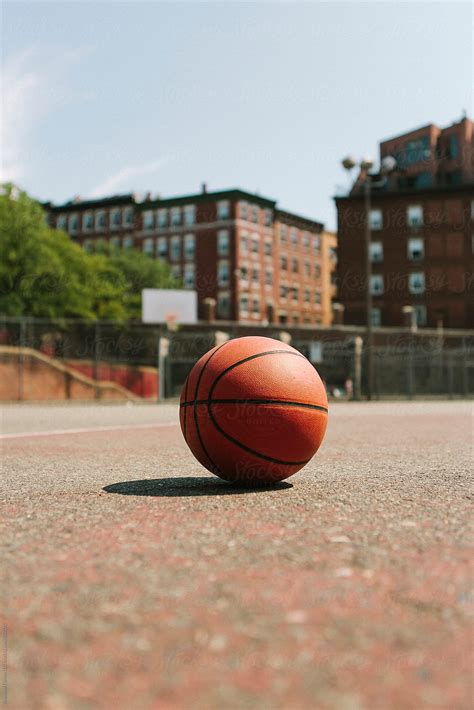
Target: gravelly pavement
x,y
133,579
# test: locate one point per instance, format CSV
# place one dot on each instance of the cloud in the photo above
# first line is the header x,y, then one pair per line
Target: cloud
x,y
32,87
117,180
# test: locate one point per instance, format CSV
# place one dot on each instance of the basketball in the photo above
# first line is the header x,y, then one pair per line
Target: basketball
x,y
253,410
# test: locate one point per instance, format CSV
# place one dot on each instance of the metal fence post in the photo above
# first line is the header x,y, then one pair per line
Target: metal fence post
x,y
465,381
411,378
358,368
450,377
163,350
21,360
96,357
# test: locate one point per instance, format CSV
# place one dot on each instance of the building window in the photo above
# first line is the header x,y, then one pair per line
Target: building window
x,y
115,243
283,233
176,271
100,221
268,218
283,263
162,247
415,216
307,269
127,217
73,224
294,294
376,317
88,245
307,295
189,246
223,209
175,248
87,221
162,217
268,248
148,247
127,242
317,297
115,219
317,271
244,304
255,275
148,220
305,240
223,242
294,266
255,243
375,219
416,250
189,214
316,244
453,146
420,315
244,274
268,277
223,273
416,282
255,212
175,216
294,238
62,222
255,305
283,292
223,304
376,252
244,245
376,284
243,210
189,276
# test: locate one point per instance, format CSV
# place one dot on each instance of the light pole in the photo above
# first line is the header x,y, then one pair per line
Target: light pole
x,y
388,165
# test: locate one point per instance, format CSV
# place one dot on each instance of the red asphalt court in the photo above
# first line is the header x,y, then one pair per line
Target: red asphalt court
x,y
132,578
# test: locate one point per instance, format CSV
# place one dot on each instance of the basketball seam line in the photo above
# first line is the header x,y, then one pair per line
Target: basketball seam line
x,y
224,433
279,402
216,468
185,411
252,451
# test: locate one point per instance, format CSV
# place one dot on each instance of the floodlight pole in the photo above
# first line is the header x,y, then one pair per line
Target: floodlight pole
x,y
368,269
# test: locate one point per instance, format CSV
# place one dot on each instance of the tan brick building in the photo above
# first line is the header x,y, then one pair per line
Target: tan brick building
x,y
259,263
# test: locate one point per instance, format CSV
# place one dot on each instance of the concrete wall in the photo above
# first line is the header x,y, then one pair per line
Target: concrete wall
x,y
26,374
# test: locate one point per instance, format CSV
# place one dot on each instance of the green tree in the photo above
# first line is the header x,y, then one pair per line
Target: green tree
x,y
44,274
140,271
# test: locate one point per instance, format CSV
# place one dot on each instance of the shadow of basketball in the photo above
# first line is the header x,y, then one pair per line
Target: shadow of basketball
x,y
188,486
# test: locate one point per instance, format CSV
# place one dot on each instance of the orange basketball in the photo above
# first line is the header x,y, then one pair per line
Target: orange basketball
x,y
253,410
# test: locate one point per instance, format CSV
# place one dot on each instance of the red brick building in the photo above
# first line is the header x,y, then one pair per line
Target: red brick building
x,y
422,232
259,263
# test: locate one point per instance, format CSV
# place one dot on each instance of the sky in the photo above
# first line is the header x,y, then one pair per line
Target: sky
x,y
102,98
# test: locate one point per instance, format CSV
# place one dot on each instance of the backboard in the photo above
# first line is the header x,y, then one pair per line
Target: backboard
x,y
169,305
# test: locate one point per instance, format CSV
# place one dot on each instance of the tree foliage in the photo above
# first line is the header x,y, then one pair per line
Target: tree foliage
x,y
44,274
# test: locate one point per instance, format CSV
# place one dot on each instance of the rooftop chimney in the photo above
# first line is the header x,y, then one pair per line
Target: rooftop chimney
x,y
204,187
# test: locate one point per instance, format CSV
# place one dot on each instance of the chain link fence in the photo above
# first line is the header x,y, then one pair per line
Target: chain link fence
x,y
405,364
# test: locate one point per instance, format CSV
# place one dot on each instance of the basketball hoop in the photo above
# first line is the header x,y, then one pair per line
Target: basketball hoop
x,y
171,320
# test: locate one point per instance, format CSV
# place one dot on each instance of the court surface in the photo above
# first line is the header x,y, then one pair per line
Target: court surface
x,y
134,579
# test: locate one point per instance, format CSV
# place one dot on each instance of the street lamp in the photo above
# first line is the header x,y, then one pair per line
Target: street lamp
x,y
388,164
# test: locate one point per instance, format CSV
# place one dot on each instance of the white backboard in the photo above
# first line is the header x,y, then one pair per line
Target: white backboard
x,y
160,305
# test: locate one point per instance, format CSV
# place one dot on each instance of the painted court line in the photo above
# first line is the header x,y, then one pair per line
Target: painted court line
x,y
85,430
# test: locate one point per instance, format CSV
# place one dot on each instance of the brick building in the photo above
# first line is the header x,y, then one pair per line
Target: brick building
x,y
422,227
259,263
